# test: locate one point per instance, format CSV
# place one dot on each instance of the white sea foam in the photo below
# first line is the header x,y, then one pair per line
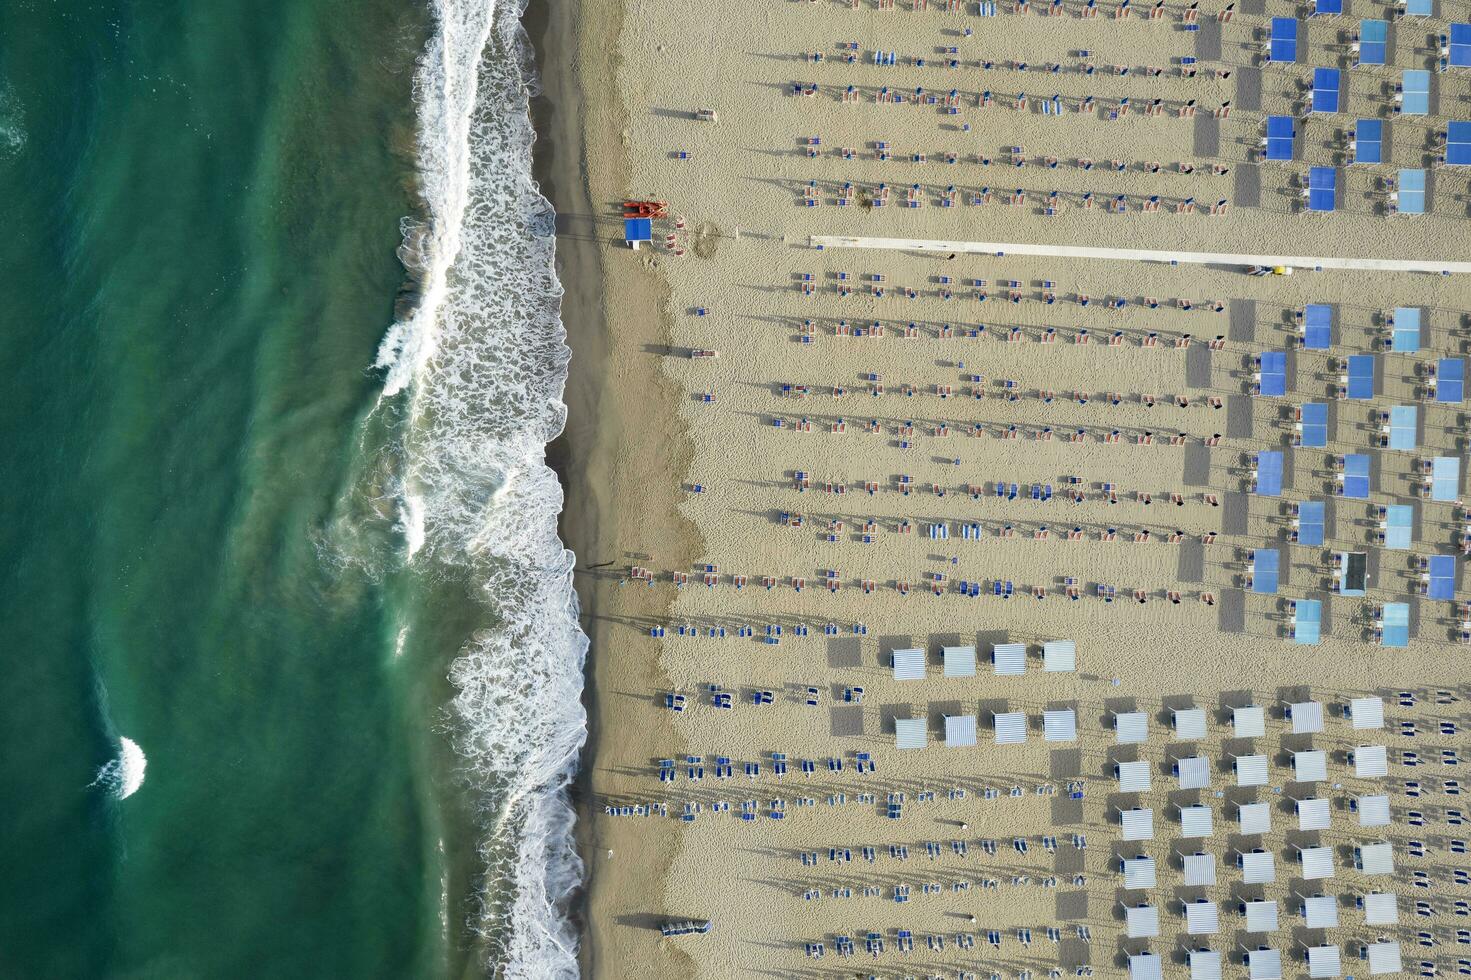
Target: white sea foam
x,y
134,764
12,121
445,89
124,775
480,365
411,522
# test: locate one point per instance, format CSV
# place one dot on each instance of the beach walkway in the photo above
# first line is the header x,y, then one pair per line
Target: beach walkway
x,y
1141,254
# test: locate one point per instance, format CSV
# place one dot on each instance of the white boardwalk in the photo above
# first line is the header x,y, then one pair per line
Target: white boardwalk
x,y
1141,254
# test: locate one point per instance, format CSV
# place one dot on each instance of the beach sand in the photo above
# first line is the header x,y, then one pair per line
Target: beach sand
x,y
641,436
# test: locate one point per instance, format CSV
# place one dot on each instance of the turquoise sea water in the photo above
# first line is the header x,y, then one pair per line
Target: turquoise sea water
x,y
202,210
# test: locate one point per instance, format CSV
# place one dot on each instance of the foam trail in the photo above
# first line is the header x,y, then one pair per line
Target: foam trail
x,y
481,363
12,121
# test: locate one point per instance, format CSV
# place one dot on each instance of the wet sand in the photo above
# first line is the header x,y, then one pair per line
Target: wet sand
x,y
609,507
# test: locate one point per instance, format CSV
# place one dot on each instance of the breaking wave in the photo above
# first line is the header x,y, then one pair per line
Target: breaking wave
x,y
123,775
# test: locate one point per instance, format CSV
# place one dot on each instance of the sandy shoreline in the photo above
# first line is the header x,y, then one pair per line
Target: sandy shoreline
x,y
614,117
608,508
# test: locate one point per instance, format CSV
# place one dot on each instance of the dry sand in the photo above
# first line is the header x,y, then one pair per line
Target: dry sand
x,y
641,435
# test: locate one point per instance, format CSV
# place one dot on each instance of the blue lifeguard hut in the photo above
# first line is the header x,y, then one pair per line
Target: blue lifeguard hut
x,y
637,230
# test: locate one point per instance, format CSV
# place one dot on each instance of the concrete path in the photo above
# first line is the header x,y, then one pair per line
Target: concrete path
x,y
1300,262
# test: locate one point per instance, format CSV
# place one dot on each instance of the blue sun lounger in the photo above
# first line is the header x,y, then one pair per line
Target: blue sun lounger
x,y
1310,523
1450,380
1317,326
1356,476
1265,566
1442,573
1415,93
1396,625
1404,427
1307,622
1419,8
1373,41
1459,55
1369,141
1314,425
1327,7
1458,143
1326,85
1268,473
1322,189
1361,376
1445,478
1411,192
1280,134
1406,337
1282,47
1399,522
1274,374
